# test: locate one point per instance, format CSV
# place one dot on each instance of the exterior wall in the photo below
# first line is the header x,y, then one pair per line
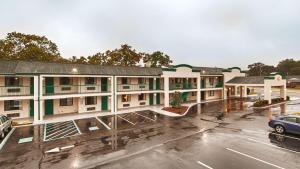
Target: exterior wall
x,y
82,108
65,109
134,102
23,113
25,81
217,95
234,73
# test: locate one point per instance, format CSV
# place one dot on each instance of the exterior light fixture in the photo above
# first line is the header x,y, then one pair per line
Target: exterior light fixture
x,y
74,70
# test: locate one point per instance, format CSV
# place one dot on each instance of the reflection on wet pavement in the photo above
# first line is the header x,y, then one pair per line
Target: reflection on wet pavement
x,y
288,141
117,133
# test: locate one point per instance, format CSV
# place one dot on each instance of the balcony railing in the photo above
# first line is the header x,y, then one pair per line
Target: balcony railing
x,y
137,87
75,89
15,91
217,85
180,86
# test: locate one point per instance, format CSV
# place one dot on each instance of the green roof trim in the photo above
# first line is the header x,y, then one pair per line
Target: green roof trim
x,y
183,65
169,69
272,75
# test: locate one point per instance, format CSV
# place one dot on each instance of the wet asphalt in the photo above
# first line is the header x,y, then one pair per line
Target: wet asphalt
x,y
150,140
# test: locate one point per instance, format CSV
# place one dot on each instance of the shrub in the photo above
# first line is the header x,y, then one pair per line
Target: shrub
x,y
260,103
176,101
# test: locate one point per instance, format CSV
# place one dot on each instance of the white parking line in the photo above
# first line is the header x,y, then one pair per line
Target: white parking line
x,y
77,127
59,131
246,155
126,120
144,116
204,165
271,145
6,138
105,125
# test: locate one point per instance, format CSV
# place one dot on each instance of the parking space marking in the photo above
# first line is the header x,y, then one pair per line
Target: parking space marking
x,y
254,158
144,116
54,131
204,165
77,127
6,138
126,120
271,145
105,125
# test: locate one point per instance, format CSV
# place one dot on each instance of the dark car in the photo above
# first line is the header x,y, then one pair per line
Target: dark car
x,y
289,124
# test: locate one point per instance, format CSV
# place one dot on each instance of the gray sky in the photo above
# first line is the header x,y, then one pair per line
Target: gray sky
x,y
220,33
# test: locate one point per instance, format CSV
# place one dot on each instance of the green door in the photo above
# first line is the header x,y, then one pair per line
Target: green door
x,y
151,99
158,98
31,108
49,85
104,85
151,84
31,86
104,100
48,107
157,84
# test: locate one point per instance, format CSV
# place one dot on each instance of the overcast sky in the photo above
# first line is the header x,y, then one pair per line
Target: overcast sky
x,y
222,33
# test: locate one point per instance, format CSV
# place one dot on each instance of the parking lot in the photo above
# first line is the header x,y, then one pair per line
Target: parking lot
x,y
147,140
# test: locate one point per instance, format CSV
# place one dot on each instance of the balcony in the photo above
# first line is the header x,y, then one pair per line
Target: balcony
x,y
75,89
183,86
15,91
137,87
216,85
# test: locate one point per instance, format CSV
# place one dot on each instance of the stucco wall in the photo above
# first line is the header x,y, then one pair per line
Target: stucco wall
x,y
65,109
217,95
24,112
234,73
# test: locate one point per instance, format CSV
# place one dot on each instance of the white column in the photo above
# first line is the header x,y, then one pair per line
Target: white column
x,y
267,93
283,92
225,92
198,89
235,91
36,99
41,100
112,96
166,92
245,91
115,94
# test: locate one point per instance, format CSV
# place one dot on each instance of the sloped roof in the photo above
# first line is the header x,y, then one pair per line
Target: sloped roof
x,y
35,67
247,80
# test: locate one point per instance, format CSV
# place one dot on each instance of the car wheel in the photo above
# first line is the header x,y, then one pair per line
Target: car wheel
x,y
279,129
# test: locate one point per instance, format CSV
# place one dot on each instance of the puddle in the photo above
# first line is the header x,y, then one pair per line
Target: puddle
x,y
291,142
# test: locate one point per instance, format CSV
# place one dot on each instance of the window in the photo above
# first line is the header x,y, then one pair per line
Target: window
x,y
141,80
125,98
65,81
291,119
211,81
211,93
90,80
66,102
12,105
124,80
12,81
91,100
142,96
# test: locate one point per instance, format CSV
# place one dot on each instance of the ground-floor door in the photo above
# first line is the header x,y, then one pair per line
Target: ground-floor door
x,y
158,98
151,99
202,95
104,101
48,107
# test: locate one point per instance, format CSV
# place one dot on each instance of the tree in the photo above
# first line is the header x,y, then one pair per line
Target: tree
x,y
157,59
80,60
19,46
177,100
289,67
125,56
260,69
98,58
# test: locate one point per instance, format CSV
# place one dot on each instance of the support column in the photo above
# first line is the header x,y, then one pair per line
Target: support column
x,y
283,92
267,93
166,92
115,94
36,99
41,100
241,91
235,91
198,89
225,92
112,96
245,91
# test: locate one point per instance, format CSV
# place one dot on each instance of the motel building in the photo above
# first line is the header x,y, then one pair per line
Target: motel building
x,y
40,90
